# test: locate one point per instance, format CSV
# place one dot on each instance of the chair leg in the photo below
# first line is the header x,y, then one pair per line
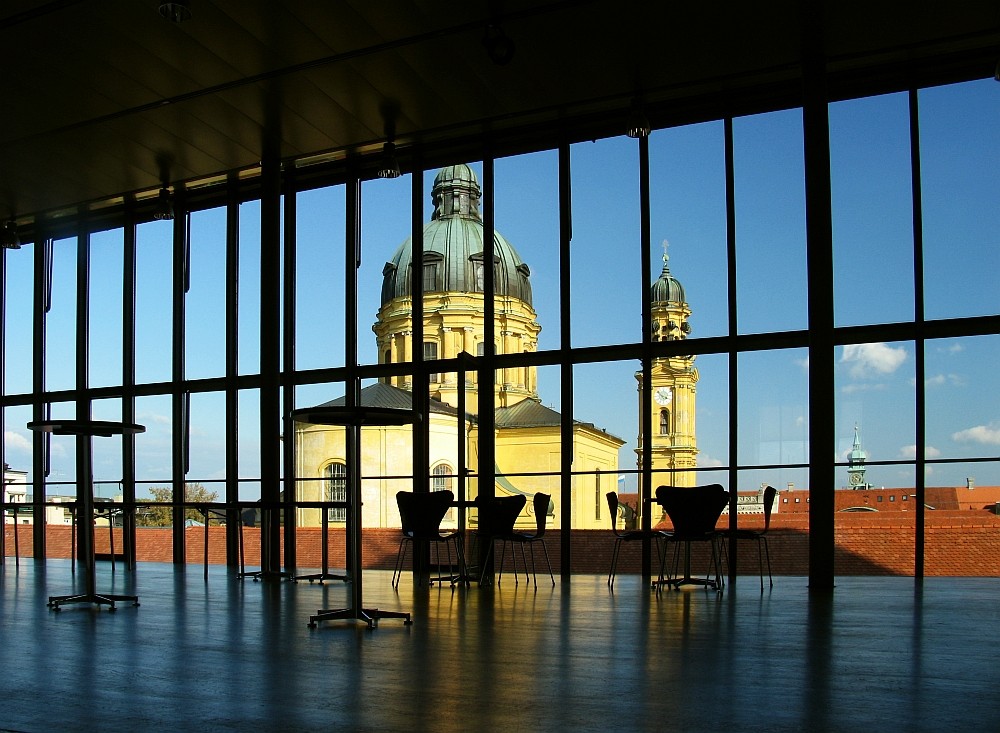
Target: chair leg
x,y
524,564
767,553
531,549
548,564
486,561
614,562
503,556
397,570
760,564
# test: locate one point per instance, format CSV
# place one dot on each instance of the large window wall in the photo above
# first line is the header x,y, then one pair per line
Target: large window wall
x,y
195,332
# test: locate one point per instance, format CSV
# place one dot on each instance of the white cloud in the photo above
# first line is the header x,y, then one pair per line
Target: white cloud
x,y
852,388
867,360
985,434
803,362
706,462
939,380
800,421
16,443
910,451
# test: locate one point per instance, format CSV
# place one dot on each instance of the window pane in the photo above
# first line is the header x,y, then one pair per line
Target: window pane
x,y
19,292
962,407
249,305
60,323
770,222
154,302
153,455
385,237
205,322
106,277
527,216
207,439
875,412
606,276
319,285
249,444
606,413
872,210
960,175
773,414
688,211
107,453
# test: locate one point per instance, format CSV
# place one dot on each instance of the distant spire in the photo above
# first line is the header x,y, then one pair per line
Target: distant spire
x,y
666,257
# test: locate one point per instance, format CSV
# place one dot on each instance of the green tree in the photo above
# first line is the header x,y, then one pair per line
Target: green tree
x,y
162,516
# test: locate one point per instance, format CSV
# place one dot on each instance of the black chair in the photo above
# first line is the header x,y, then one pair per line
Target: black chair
x,y
694,512
630,535
540,504
496,517
420,516
759,535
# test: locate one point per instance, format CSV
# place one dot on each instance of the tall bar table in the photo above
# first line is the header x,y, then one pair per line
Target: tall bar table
x,y
353,418
85,430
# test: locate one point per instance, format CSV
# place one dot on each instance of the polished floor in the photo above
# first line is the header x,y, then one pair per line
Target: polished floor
x,y
224,654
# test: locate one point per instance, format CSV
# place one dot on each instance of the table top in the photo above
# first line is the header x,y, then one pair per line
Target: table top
x,y
359,415
102,428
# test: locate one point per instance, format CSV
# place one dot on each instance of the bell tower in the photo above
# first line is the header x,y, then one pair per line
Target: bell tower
x,y
673,379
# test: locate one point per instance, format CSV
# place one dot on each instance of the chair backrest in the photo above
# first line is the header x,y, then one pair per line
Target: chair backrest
x,y
769,493
420,514
613,510
541,506
693,510
498,515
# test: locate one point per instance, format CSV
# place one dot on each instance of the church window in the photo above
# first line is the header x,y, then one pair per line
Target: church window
x,y
430,277
431,354
336,490
597,496
664,422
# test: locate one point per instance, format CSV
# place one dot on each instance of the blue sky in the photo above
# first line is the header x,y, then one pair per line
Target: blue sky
x,y
873,264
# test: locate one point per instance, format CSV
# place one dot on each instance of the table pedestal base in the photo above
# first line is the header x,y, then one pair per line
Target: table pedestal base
x,y
370,616
96,598
320,577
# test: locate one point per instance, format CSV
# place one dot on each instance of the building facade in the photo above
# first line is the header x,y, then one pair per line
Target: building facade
x,y
528,440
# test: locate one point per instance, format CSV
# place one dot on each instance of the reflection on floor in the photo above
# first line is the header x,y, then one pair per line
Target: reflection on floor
x,y
879,654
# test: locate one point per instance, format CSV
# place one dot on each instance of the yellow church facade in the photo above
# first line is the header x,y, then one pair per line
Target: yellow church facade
x,y
527,438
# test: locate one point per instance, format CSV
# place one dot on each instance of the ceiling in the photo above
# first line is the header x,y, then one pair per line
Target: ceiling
x,y
106,97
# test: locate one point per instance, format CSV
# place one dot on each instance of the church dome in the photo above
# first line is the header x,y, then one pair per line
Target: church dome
x,y
453,246
667,288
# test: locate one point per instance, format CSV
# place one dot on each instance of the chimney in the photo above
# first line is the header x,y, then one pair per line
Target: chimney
x,y
970,483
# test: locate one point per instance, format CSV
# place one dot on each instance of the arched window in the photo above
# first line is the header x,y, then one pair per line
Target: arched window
x,y
441,476
664,422
336,490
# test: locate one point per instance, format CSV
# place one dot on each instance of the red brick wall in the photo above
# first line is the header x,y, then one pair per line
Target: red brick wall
x,y
959,543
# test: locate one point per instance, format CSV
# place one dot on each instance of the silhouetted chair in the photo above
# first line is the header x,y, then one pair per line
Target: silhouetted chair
x,y
540,505
420,516
759,535
496,517
694,512
630,535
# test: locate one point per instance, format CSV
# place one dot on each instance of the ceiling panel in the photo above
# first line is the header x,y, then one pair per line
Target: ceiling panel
x,y
105,97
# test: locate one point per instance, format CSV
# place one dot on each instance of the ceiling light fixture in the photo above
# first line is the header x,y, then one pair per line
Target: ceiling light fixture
x,y
9,238
177,11
164,210
638,123
388,167
498,45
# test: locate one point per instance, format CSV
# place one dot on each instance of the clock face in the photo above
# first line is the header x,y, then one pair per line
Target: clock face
x,y
663,396
855,478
